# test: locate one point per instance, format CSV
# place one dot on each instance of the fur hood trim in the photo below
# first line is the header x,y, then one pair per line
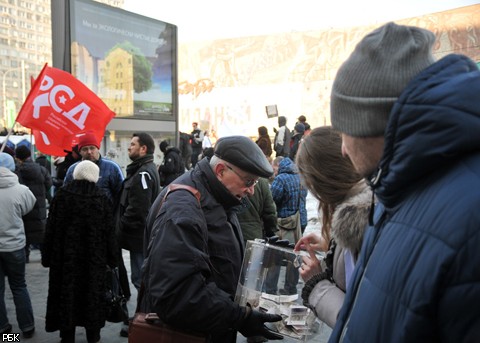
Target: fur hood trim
x,y
350,218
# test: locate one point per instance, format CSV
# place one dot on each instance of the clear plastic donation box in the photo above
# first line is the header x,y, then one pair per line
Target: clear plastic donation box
x,y
269,282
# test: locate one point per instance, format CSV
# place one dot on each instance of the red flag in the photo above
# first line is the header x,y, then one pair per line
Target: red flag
x,y
59,107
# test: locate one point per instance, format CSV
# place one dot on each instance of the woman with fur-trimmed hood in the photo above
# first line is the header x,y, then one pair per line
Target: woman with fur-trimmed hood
x,y
344,204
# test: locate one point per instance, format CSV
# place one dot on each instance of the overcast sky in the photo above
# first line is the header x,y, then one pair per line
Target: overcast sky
x,y
214,19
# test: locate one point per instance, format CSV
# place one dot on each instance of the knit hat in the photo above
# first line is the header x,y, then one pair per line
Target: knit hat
x,y
373,77
300,128
22,152
86,170
6,161
87,139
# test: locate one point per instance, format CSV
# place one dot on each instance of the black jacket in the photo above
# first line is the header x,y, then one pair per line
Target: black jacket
x,y
139,191
195,255
38,179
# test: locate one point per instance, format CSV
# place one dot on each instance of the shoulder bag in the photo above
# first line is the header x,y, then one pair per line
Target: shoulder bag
x,y
290,227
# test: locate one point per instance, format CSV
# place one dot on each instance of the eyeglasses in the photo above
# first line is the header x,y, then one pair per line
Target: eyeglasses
x,y
248,182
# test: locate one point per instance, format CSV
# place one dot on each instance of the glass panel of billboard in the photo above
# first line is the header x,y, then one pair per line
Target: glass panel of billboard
x,y
127,59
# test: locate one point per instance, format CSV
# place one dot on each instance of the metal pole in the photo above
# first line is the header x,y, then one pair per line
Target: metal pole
x,y
4,95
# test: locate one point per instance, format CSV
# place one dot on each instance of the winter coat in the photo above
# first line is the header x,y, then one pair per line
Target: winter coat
x,y
350,219
265,144
418,274
288,193
110,180
172,166
38,179
79,243
139,191
185,148
258,216
196,140
194,257
16,200
281,143
62,168
295,144
44,162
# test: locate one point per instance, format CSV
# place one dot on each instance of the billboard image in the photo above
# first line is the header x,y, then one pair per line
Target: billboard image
x,y
128,60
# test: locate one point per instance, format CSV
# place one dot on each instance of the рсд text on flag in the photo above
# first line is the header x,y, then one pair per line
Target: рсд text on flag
x,y
60,106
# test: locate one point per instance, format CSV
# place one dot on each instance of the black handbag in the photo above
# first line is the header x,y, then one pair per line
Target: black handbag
x,y
116,302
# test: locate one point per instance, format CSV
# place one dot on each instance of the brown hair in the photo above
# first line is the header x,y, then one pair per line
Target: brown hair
x,y
325,172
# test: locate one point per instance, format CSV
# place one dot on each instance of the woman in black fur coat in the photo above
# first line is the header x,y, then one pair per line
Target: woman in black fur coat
x,y
79,244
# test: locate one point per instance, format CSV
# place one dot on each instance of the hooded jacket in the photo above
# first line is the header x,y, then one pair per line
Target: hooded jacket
x,y
16,200
349,222
418,274
194,255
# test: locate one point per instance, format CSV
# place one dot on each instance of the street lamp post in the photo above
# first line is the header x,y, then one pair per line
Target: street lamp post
x,y
4,88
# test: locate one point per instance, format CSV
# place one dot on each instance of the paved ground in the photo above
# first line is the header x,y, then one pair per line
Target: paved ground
x,y
37,282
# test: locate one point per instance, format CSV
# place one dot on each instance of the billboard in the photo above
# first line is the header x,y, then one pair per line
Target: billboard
x,y
128,60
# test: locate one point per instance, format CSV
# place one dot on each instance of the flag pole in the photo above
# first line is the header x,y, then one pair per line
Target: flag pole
x,y
6,138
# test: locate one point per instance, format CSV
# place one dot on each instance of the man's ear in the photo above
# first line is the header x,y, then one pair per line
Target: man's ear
x,y
219,169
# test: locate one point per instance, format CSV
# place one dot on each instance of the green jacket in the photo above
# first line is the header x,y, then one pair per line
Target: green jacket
x,y
259,218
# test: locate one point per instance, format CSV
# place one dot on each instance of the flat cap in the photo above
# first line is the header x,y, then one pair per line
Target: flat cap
x,y
243,153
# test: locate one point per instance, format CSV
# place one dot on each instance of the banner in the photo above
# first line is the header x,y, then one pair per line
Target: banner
x,y
58,107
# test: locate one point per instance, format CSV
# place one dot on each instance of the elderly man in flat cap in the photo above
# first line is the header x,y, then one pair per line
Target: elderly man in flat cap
x,y
194,247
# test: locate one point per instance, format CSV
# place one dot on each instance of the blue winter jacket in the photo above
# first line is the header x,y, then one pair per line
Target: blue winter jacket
x,y
418,275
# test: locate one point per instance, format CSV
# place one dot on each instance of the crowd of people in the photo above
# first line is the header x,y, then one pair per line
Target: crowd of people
x,y
396,177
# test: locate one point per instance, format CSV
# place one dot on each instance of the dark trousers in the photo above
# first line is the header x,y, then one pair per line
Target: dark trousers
x,y
195,153
68,336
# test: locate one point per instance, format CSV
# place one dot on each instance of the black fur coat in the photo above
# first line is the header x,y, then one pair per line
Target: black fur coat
x,y
79,243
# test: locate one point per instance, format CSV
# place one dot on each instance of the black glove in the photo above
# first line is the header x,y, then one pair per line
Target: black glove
x,y
253,324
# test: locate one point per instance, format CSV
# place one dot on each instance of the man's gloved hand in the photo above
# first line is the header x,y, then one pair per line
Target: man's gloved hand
x,y
253,324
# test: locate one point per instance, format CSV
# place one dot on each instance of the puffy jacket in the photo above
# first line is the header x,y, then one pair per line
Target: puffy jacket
x,y
16,200
195,253
418,275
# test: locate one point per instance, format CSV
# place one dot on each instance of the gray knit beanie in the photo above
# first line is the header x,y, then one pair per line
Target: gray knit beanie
x,y
86,170
373,77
